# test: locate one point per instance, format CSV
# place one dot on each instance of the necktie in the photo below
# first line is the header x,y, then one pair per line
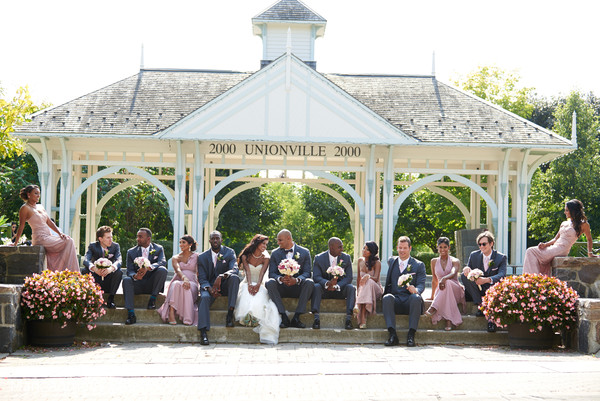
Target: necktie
x,y
486,263
289,250
145,253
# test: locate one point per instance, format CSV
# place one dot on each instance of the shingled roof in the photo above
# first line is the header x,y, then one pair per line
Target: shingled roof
x,y
420,106
289,10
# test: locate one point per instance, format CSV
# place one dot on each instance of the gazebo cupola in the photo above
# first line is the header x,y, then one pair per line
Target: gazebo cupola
x,y
304,25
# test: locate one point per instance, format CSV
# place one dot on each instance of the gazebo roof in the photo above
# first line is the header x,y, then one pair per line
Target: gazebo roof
x,y
289,10
420,106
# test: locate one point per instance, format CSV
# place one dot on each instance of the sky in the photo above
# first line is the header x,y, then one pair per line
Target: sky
x,y
63,49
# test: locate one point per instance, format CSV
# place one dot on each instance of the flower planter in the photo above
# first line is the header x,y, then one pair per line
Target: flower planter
x,y
519,336
48,333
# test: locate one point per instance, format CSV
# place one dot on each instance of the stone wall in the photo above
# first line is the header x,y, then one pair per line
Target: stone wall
x,y
18,262
11,324
588,326
582,274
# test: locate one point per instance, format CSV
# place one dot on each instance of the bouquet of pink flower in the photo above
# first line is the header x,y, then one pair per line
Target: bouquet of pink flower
x,y
288,267
102,263
474,275
141,261
62,296
404,280
336,271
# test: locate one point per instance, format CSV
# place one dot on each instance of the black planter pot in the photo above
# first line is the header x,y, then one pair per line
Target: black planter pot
x,y
48,333
519,336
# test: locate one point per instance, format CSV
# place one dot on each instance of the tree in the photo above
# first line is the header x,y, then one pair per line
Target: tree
x,y
12,114
572,176
499,87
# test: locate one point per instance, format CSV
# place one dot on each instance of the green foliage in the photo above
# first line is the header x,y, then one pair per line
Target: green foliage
x,y
572,176
12,114
499,87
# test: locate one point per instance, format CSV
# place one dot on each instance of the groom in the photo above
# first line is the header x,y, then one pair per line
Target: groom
x,y
405,300
217,275
325,288
298,286
493,266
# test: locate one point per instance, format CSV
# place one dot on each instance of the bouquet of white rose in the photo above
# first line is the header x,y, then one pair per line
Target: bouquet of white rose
x,y
474,275
102,263
141,261
288,267
336,271
404,280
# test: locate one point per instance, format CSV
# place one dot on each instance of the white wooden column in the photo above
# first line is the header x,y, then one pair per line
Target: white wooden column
x,y
388,206
66,178
179,204
370,197
47,177
502,201
76,218
91,224
198,198
522,194
475,205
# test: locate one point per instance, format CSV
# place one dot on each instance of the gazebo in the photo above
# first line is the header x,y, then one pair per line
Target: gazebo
x,y
287,116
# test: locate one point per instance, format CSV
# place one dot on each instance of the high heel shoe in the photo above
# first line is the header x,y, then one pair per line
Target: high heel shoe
x,y
430,312
362,326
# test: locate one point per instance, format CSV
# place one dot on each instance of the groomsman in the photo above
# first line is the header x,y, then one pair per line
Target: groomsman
x,y
493,266
325,288
109,278
298,286
217,275
141,280
405,300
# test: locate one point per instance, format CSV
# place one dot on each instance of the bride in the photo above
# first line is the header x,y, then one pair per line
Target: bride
x,y
254,307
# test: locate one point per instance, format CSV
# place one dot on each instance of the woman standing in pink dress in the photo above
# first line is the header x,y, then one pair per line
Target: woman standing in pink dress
x,y
60,249
538,259
183,290
369,287
449,291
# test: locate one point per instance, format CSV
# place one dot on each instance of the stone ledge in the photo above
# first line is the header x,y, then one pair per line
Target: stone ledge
x,y
588,326
581,274
11,324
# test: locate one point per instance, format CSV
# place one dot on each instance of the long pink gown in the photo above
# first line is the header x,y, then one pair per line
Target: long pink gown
x,y
446,301
368,295
540,260
60,253
183,301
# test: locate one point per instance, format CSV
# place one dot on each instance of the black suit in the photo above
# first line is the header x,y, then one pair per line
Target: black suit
x,y
111,282
496,272
400,301
302,290
321,277
153,281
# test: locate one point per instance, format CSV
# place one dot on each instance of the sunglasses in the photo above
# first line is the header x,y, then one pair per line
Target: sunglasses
x,y
483,243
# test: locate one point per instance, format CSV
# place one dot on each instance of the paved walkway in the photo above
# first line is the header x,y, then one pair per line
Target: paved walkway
x,y
294,371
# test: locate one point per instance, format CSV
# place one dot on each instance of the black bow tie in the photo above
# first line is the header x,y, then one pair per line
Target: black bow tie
x,y
289,250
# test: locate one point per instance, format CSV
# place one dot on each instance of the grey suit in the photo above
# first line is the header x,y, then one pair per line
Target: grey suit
x,y
111,282
399,300
208,273
321,277
496,272
303,290
153,281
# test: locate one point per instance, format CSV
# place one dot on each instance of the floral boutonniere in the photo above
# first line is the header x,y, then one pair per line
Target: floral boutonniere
x,y
106,253
220,257
297,255
491,263
152,252
408,268
341,264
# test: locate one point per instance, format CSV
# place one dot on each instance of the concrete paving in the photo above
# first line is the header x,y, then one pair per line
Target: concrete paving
x,y
150,371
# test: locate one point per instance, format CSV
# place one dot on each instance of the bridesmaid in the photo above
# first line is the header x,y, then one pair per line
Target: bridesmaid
x,y
449,292
538,259
60,250
183,290
369,287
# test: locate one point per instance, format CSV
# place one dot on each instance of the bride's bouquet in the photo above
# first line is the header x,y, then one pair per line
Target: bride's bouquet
x,y
288,267
102,263
474,275
336,271
141,261
404,280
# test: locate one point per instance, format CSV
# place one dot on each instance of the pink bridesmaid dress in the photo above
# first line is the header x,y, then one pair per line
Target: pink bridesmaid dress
x,y
182,300
540,260
368,295
446,301
60,253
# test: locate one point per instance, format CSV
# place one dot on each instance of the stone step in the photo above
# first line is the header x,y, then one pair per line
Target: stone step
x,y
151,332
290,304
328,319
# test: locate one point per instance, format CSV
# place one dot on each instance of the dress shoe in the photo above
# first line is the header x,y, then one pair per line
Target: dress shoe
x,y
152,303
110,302
479,313
229,319
393,340
410,340
491,327
285,321
317,324
131,319
297,323
348,324
203,337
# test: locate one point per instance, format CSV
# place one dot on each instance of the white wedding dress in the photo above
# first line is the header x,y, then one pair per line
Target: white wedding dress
x,y
258,310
